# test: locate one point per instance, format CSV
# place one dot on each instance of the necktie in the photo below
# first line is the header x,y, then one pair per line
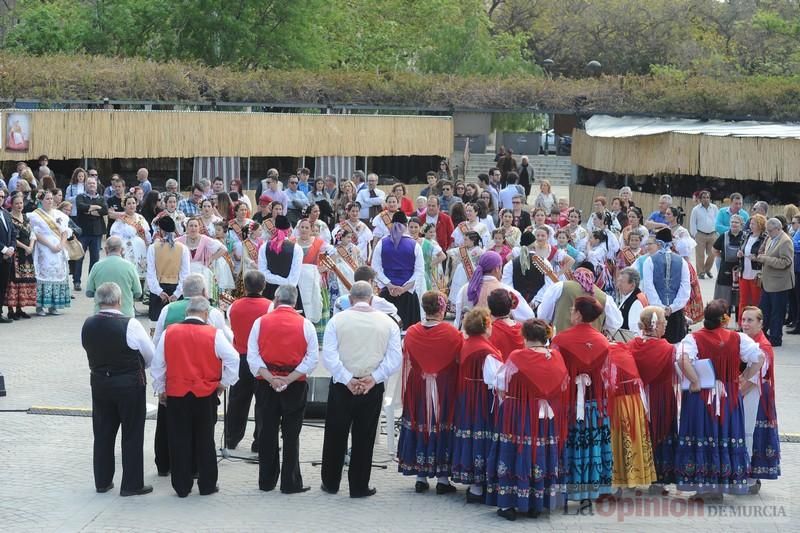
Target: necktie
x,y
373,194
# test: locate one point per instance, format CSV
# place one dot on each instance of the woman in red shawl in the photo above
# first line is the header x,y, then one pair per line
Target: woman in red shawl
x,y
761,420
630,436
655,360
478,363
430,371
506,332
587,452
524,464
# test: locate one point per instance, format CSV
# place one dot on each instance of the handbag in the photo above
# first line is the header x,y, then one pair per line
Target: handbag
x,y
74,249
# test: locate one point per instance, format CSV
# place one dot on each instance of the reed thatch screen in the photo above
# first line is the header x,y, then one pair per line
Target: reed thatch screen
x,y
148,134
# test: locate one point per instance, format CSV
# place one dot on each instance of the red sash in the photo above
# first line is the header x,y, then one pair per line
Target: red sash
x,y
312,255
466,260
136,225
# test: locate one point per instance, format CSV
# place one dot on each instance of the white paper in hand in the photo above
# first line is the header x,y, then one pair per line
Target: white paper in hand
x,y
705,374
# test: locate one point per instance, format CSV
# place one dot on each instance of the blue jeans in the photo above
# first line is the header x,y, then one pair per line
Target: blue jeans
x,y
773,305
91,245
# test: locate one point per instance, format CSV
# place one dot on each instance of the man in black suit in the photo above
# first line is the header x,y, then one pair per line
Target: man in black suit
x,y
8,244
91,208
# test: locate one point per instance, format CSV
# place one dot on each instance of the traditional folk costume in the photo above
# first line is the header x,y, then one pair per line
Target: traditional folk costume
x,y
463,261
21,290
430,377
712,453
313,285
765,448
193,359
201,263
433,273
135,234
398,260
363,236
472,423
465,227
587,451
347,260
521,274
627,408
236,235
666,283
282,342
506,336
52,282
243,313
381,224
627,256
559,298
280,260
684,245
655,361
167,266
524,464
630,308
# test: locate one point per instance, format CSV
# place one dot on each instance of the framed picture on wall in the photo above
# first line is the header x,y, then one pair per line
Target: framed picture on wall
x,y
18,132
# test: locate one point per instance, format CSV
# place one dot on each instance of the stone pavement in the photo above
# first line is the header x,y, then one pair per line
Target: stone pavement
x,y
46,468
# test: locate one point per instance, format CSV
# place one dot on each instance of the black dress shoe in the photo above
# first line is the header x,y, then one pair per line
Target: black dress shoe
x,y
144,489
775,344
795,331
323,488
421,486
22,314
445,488
366,494
253,447
103,490
163,474
4,320
509,514
474,498
304,488
208,492
533,513
267,489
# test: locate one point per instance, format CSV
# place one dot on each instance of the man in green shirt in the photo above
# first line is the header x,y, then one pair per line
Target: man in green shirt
x,y
115,269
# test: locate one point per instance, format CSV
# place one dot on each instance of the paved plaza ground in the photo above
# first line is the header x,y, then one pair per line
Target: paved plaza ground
x,y
46,479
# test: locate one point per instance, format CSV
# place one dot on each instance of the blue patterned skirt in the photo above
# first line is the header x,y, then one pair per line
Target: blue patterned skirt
x,y
53,294
424,453
766,461
472,437
514,479
587,455
712,453
664,457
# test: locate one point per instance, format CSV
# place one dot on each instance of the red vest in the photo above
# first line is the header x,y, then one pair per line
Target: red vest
x,y
243,314
281,340
192,363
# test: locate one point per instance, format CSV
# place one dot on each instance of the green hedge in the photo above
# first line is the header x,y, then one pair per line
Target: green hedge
x,y
76,77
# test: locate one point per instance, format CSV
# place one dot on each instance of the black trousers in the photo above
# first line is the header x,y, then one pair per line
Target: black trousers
x,y
359,416
240,397
118,400
190,425
269,293
282,411
676,327
5,276
161,444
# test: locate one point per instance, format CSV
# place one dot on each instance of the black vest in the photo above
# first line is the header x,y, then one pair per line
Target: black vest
x,y
626,307
530,283
104,338
280,264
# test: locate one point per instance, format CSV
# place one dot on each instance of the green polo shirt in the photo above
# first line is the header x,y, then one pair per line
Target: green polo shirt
x,y
115,268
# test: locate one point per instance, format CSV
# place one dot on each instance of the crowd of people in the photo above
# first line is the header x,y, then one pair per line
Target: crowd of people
x,y
556,380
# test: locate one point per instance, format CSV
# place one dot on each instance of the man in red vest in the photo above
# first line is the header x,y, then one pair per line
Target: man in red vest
x,y
281,351
243,313
188,376
442,221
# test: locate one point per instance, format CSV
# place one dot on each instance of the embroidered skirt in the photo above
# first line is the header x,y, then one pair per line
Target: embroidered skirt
x,y
472,436
424,450
53,294
514,478
630,444
588,456
712,453
766,461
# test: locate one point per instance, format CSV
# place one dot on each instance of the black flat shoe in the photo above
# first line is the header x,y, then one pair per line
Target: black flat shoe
x,y
421,486
22,314
103,490
304,488
145,489
267,489
253,447
163,474
4,320
474,498
755,488
323,488
533,514
445,488
209,492
509,514
369,492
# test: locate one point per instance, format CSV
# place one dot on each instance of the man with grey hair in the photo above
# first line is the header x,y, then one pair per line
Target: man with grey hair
x,y
359,180
361,350
371,200
657,221
142,176
632,299
281,351
193,364
760,208
118,349
777,279
91,208
113,268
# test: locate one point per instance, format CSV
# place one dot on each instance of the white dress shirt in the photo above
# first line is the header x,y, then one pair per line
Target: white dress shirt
x,y
749,350
418,277
294,272
366,201
703,219
215,318
390,364
152,277
223,349
547,308
136,337
306,366
521,313
684,291
633,313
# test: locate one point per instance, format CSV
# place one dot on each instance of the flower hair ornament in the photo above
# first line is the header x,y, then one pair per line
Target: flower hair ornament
x,y
514,300
442,302
653,322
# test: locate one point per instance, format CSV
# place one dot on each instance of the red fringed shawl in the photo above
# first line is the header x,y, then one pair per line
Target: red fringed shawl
x,y
655,360
470,371
585,351
721,346
768,403
506,338
624,382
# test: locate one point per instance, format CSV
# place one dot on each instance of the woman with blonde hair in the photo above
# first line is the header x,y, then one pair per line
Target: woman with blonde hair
x,y
752,246
545,199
